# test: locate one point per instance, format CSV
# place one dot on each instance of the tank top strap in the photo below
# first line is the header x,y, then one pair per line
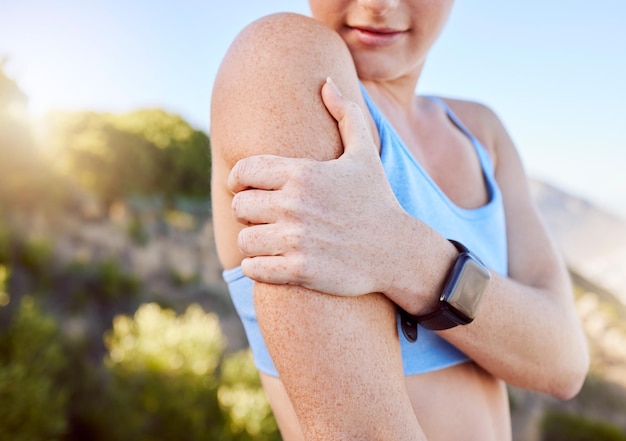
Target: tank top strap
x,y
455,119
484,157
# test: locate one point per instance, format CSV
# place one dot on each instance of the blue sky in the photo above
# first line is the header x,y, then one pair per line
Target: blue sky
x,y
555,71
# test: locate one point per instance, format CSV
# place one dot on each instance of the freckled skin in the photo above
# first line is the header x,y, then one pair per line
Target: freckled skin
x,y
332,227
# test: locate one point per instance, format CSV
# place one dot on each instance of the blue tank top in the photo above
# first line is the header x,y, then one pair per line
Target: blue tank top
x,y
482,230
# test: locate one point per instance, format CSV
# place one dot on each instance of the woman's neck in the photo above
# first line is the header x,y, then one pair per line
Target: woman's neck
x,y
396,97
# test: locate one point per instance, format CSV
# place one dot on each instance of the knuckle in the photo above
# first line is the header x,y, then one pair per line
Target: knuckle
x,y
300,268
243,241
237,207
236,173
299,173
351,106
293,238
235,204
353,110
243,168
249,268
290,207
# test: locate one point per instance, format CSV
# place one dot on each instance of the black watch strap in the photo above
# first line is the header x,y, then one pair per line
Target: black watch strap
x,y
442,319
437,320
408,324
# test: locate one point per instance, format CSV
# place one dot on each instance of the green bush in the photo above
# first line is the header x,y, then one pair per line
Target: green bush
x,y
36,256
559,426
32,403
111,282
181,280
5,273
137,232
105,283
5,245
242,398
164,375
164,378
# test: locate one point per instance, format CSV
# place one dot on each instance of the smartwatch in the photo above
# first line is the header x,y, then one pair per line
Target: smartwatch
x,y
462,292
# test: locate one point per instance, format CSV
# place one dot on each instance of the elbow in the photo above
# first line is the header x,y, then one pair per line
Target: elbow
x,y
571,377
570,388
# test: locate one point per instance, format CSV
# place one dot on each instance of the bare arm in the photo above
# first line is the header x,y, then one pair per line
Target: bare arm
x,y
539,342
337,357
527,332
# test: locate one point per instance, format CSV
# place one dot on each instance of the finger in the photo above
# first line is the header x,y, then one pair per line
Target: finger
x,y
266,172
355,132
268,269
260,240
254,207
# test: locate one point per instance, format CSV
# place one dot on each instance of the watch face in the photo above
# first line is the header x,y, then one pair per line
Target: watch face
x,y
469,281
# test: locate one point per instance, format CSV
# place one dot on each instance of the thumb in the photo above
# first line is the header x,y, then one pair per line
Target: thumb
x,y
356,135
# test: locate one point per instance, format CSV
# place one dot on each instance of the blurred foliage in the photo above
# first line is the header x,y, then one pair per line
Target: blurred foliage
x,y
156,375
5,243
560,426
241,396
26,180
181,279
146,152
137,232
113,157
602,396
32,405
165,377
164,374
157,340
102,283
112,282
35,255
5,298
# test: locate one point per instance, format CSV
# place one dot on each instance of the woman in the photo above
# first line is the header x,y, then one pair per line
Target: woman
x,y
337,247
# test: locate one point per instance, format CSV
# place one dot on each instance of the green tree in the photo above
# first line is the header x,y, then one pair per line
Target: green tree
x,y
146,153
184,161
32,403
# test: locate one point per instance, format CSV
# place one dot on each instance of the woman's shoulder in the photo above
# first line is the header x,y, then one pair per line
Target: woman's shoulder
x,y
266,96
482,121
283,34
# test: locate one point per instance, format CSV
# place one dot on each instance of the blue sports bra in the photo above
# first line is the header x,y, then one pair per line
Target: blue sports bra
x,y
482,230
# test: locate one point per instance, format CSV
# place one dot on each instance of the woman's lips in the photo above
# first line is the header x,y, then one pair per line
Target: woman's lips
x,y
376,37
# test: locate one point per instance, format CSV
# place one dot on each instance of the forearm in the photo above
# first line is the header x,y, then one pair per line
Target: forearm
x,y
526,333
338,356
527,337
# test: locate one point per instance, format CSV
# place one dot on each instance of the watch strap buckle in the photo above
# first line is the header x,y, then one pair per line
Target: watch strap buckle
x,y
408,323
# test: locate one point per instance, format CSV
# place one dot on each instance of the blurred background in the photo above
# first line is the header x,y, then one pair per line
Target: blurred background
x,y
114,321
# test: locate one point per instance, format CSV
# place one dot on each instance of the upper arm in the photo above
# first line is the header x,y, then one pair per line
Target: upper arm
x,y
533,256
266,100
327,349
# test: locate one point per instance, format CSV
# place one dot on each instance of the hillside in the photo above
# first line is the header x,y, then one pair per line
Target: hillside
x,y
592,241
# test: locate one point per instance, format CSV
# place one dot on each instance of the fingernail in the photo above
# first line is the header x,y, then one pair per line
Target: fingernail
x,y
332,84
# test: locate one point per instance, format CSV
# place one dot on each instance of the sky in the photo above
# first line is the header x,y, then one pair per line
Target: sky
x,y
554,71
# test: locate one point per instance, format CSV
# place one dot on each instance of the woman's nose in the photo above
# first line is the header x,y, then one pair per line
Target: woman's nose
x,y
379,7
